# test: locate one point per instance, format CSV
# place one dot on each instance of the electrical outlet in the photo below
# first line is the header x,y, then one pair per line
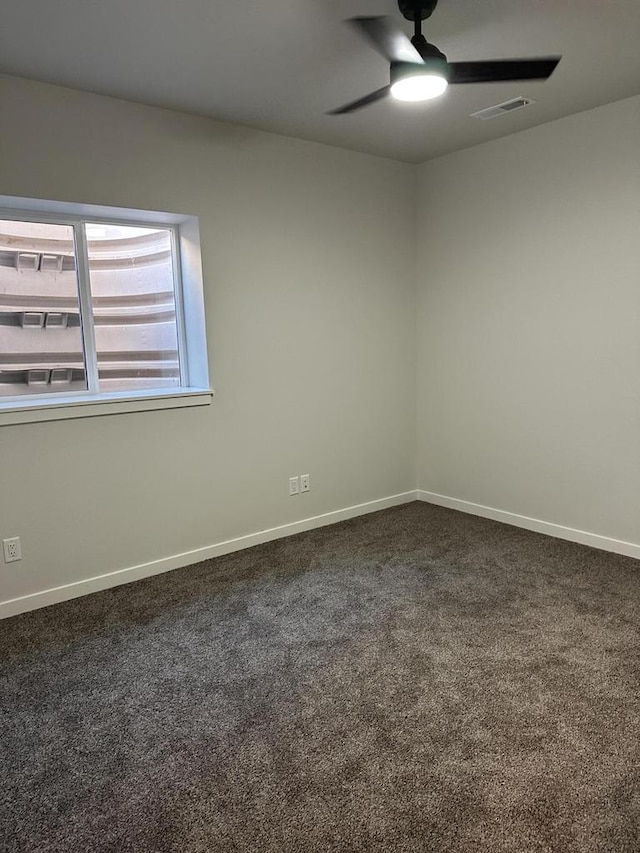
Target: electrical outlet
x,y
305,483
12,549
294,486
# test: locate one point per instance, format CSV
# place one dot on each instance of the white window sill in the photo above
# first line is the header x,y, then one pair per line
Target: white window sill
x,y
87,406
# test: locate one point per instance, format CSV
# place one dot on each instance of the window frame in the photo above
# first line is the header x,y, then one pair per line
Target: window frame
x,y
194,387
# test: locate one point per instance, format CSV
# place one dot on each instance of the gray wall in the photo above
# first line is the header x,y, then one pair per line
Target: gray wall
x,y
308,266
528,351
529,323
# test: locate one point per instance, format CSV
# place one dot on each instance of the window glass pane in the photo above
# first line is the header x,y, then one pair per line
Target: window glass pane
x,y
134,308
41,350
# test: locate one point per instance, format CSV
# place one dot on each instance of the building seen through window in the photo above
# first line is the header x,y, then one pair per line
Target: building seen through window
x,y
87,307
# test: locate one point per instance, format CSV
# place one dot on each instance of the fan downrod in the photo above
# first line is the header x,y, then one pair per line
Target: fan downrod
x,y
417,10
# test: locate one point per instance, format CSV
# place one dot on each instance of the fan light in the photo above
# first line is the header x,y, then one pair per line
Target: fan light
x,y
418,87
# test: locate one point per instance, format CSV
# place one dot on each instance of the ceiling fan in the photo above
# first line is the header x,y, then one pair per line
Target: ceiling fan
x,y
419,71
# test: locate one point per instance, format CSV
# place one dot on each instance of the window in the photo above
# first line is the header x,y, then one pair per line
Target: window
x,y
98,306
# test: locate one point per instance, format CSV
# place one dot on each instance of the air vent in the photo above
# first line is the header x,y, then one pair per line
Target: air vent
x,y
61,375
56,320
38,377
51,263
500,109
27,261
31,319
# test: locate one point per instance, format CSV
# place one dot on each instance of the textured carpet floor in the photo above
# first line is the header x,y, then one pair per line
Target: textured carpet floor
x,y
412,680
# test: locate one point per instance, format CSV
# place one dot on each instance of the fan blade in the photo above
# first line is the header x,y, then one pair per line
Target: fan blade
x,y
496,70
386,38
361,102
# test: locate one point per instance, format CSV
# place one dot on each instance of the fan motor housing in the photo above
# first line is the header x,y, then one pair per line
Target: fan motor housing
x,y
433,65
423,8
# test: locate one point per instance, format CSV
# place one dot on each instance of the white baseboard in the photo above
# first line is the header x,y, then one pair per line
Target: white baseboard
x,y
83,587
629,549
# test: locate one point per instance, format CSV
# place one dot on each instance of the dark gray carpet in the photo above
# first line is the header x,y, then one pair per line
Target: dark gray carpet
x,y
412,680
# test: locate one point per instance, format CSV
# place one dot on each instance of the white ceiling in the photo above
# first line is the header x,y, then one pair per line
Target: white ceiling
x,y
281,64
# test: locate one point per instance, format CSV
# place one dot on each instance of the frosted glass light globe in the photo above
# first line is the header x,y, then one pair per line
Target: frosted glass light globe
x,y
418,87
